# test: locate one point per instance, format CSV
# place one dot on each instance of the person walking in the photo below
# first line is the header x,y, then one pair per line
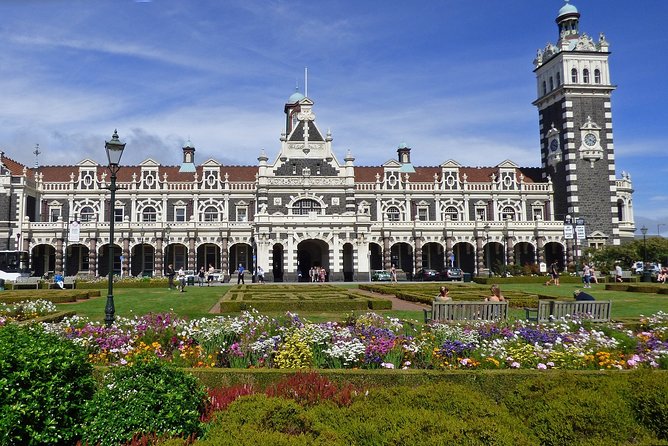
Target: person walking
x,y
554,274
209,277
181,277
240,275
393,273
260,274
586,276
170,273
618,273
200,276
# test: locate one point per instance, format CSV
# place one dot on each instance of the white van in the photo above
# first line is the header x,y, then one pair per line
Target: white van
x,y
638,267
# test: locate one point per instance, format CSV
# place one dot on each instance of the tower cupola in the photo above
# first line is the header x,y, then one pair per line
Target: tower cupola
x,y
568,21
188,164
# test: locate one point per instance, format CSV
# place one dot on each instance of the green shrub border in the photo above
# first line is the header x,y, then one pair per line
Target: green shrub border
x,y
55,296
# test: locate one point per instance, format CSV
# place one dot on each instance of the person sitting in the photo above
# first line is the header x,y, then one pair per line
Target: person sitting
x,y
581,295
593,275
496,295
443,295
59,281
662,276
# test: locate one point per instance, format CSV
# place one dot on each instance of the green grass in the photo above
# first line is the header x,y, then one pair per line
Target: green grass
x,y
198,301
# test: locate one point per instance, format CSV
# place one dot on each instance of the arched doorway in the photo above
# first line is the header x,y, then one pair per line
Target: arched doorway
x,y
494,257
176,254
277,256
348,263
312,253
208,254
241,254
43,260
142,260
554,251
76,259
401,256
103,260
464,253
433,256
525,254
375,256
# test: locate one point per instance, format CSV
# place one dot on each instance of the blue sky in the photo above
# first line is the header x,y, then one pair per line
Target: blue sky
x,y
453,79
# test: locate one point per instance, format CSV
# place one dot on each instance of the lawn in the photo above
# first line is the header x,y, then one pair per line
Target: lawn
x,y
198,301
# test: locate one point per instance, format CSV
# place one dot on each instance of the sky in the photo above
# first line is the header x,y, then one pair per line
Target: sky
x,y
451,78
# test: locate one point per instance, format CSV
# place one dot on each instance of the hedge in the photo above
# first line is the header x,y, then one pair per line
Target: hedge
x,y
55,296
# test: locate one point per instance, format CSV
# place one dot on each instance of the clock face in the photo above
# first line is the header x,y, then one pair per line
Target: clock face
x,y
590,139
554,145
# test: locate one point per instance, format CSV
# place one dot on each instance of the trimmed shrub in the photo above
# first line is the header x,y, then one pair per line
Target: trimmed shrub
x,y
45,382
649,400
145,398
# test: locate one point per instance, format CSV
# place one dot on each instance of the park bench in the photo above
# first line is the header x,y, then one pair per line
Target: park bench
x,y
26,282
68,282
548,310
627,276
463,310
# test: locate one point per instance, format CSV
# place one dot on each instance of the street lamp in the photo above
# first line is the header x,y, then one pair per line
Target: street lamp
x,y
644,246
114,150
487,249
658,229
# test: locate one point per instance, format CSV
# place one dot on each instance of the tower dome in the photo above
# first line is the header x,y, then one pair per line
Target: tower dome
x,y
295,97
567,9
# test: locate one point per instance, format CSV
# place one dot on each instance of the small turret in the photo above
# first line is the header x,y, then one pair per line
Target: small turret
x,y
188,164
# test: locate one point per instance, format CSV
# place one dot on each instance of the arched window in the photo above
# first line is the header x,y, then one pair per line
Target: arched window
x,y
585,76
452,212
87,214
303,207
551,84
544,88
597,76
210,213
149,214
574,76
393,213
558,78
508,213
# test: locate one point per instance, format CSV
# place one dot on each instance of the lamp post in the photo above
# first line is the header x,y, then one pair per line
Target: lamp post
x,y
489,266
646,273
658,229
114,150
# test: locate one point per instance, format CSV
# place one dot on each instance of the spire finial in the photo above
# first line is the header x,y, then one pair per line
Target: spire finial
x,y
37,153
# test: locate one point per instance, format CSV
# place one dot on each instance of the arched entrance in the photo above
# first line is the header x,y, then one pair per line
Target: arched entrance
x,y
433,256
464,253
241,254
208,254
176,254
348,263
142,260
376,256
525,254
494,257
277,256
401,256
312,253
43,259
76,260
103,260
554,251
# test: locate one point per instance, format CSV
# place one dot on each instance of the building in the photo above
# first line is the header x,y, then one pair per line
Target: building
x,y
305,207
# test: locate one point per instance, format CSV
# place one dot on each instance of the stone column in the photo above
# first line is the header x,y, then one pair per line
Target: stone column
x,y
387,254
225,257
192,253
159,266
125,264
448,251
92,257
480,253
569,254
510,252
418,253
59,255
540,249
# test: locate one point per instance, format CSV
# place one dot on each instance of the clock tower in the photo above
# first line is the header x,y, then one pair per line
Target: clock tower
x,y
577,153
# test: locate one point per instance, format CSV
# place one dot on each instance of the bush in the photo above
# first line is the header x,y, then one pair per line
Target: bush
x,y
649,400
145,398
44,384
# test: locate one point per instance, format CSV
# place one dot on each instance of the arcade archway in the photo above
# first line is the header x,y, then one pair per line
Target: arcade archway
x,y
312,253
464,253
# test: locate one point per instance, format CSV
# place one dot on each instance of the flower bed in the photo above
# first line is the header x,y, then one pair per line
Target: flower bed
x,y
370,341
25,310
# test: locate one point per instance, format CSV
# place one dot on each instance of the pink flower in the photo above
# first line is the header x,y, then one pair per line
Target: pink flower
x,y
387,365
515,365
541,366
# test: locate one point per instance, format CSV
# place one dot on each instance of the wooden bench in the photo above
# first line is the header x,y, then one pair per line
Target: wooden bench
x,y
463,310
68,282
627,276
549,310
27,282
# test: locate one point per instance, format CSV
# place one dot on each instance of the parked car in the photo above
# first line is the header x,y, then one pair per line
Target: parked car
x,y
638,268
452,273
380,275
426,274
